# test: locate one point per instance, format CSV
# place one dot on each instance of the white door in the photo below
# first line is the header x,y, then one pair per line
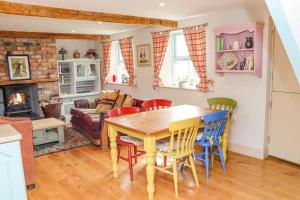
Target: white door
x,y
284,142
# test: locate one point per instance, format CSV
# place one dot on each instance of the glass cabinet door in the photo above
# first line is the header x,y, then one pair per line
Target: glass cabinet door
x,y
92,70
80,71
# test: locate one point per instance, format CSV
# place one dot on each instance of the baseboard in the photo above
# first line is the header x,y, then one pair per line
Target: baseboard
x,y
246,150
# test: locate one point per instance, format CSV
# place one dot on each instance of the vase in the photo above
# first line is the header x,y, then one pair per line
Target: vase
x,y
249,42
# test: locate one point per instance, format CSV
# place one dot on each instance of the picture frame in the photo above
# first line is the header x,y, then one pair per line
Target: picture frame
x,y
143,55
18,67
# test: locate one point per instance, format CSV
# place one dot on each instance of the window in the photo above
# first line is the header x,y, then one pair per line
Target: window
x,y
178,69
117,66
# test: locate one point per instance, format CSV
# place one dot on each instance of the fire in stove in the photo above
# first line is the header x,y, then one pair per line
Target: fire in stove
x,y
17,98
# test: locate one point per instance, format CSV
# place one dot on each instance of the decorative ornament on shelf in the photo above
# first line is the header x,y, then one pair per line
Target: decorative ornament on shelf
x,y
250,62
228,61
219,43
243,64
76,54
249,42
236,45
91,53
63,51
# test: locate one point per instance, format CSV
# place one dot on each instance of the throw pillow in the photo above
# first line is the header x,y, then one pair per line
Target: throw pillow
x,y
121,98
129,101
107,100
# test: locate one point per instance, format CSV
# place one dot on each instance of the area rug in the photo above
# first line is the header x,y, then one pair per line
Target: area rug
x,y
73,139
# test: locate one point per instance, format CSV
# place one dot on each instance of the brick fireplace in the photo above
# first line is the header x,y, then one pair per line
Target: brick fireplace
x,y
43,65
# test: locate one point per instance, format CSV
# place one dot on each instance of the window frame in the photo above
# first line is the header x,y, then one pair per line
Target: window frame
x,y
117,61
118,54
176,58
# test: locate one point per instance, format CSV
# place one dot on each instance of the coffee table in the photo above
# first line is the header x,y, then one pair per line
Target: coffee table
x,y
48,130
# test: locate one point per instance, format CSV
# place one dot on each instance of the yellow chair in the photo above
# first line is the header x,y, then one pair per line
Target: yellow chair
x,y
180,146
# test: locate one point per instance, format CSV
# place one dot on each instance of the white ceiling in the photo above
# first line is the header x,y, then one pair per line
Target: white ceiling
x,y
173,9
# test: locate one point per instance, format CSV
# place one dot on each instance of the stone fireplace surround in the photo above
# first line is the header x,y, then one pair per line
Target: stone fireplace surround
x,y
43,63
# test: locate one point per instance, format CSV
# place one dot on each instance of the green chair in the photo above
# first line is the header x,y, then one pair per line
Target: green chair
x,y
223,103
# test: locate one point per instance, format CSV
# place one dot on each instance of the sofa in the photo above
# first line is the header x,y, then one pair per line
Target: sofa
x,y
89,121
24,127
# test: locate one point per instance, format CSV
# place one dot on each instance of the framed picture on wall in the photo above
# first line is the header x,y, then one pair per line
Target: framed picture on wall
x,y
18,67
143,55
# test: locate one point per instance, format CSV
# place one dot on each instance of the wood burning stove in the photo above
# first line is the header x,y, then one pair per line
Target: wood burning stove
x,y
20,99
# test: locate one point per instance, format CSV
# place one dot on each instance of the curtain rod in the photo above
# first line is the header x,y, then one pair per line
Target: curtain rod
x,y
176,29
121,38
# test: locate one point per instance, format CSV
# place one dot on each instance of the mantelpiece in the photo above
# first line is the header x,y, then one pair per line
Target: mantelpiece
x,y
28,81
228,35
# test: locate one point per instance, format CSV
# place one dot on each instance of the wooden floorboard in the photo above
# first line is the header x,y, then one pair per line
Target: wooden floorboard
x,y
85,173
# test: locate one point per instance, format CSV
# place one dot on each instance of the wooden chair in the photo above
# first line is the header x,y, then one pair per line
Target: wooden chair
x,y
214,127
223,103
127,141
180,146
155,104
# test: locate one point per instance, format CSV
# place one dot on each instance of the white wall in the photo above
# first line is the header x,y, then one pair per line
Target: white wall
x,y
71,44
249,121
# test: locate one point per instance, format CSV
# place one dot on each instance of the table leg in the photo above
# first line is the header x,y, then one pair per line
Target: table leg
x,y
225,139
61,134
104,136
113,149
149,145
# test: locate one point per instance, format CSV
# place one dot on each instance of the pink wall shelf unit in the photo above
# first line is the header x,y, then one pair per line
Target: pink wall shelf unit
x,y
234,51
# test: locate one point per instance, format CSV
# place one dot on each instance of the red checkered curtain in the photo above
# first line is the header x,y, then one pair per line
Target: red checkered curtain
x,y
126,50
106,50
160,43
196,42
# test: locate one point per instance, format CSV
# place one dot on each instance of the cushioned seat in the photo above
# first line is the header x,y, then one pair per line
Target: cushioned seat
x,y
131,140
92,120
199,136
82,112
164,146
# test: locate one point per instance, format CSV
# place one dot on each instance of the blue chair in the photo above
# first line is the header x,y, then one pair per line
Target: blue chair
x,y
211,137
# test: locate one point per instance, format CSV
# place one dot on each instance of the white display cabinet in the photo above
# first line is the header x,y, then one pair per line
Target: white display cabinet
x,y
79,78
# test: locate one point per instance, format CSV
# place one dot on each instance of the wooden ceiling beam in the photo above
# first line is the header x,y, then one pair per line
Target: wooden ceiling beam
x,y
16,34
61,13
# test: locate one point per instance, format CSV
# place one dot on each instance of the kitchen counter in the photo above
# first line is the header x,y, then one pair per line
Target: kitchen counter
x,y
8,134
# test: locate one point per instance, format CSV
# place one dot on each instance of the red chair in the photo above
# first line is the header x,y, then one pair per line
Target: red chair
x,y
155,104
127,141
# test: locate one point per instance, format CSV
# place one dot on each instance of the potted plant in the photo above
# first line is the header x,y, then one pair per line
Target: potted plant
x,y
183,82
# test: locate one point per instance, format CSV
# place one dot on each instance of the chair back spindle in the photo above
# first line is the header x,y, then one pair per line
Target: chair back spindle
x,y
214,127
122,111
183,135
222,103
155,104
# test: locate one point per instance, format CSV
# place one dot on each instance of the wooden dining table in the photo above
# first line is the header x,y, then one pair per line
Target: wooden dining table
x,y
149,126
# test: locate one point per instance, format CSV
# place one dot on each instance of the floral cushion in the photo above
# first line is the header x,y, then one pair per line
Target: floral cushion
x,y
121,98
131,140
129,101
107,100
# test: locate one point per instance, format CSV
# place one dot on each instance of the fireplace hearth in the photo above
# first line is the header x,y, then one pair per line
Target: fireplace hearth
x,y
21,100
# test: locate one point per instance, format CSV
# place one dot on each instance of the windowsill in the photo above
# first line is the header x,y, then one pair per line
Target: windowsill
x,y
180,88
123,84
